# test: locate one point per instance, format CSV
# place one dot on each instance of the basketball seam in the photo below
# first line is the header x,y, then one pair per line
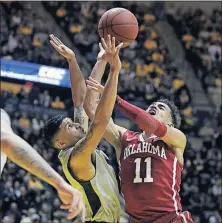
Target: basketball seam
x,y
117,15
112,18
115,24
127,24
120,35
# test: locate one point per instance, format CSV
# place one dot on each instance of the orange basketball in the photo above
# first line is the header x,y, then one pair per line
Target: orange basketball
x,y
120,23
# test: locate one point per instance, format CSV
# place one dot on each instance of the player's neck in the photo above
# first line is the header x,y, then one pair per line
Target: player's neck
x,y
146,135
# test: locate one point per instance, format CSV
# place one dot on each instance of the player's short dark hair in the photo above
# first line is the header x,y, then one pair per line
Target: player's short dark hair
x,y
175,113
51,128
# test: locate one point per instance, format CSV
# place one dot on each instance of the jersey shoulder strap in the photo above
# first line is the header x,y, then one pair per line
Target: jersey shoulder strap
x,y
64,155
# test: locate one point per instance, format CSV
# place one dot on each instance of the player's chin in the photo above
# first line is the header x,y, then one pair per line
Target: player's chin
x,y
82,134
156,117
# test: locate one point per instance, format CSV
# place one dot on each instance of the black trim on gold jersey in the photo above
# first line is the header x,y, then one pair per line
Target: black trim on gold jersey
x,y
91,195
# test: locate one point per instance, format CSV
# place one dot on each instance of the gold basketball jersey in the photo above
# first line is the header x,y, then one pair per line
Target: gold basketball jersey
x,y
100,194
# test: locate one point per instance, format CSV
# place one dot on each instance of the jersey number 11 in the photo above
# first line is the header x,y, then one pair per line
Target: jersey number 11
x,y
148,178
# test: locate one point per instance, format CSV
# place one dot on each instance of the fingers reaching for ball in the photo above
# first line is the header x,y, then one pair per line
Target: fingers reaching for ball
x,y
111,52
109,45
61,48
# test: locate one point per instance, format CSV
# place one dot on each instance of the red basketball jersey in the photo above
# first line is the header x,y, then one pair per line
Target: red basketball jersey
x,y
150,178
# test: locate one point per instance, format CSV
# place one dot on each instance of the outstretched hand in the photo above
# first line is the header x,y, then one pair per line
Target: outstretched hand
x,y
61,48
110,53
94,85
72,201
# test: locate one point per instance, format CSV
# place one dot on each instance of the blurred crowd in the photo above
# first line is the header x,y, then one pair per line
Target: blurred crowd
x,y
200,34
24,35
147,74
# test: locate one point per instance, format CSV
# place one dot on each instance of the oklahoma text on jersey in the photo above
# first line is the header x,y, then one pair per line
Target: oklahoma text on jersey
x,y
144,147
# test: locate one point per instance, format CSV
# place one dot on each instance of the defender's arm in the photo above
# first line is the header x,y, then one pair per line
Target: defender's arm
x,y
21,153
78,85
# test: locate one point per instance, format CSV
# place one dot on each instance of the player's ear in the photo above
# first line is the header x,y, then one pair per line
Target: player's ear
x,y
60,144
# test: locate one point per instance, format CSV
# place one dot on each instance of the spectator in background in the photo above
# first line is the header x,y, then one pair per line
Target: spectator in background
x,y
35,218
8,219
58,103
14,212
24,122
35,184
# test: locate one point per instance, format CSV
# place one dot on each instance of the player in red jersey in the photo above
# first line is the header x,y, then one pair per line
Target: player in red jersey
x,y
152,161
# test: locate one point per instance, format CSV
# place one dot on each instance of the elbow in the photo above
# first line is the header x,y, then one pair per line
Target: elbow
x,y
181,141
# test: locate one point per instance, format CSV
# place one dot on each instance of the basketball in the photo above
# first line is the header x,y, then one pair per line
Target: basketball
x,y
119,23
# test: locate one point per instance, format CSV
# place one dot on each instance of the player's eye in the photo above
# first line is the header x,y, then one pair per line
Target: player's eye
x,y
161,107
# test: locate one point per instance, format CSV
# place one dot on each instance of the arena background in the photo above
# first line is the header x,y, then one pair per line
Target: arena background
x,y
177,55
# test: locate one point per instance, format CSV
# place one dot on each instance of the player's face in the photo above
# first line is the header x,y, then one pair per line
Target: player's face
x,y
69,134
161,112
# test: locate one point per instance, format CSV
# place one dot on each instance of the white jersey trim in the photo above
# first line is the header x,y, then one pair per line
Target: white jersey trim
x,y
173,185
184,218
141,139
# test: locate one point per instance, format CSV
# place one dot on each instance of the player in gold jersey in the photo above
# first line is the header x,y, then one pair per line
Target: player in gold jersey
x,y
85,167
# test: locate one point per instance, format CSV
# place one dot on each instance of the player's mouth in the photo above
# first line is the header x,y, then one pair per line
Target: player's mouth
x,y
152,111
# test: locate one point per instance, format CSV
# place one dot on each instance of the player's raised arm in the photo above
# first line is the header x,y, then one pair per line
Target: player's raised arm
x,y
78,85
21,153
113,132
84,148
96,74
172,136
